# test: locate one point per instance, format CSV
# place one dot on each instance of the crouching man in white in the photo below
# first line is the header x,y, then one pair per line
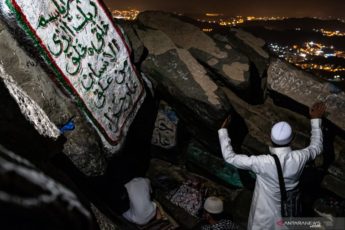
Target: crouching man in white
x,y
141,208
266,202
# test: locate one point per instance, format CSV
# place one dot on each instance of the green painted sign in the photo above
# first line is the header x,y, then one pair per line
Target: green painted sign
x,y
86,50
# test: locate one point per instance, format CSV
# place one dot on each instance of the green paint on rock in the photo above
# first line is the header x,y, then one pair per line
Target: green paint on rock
x,y
214,165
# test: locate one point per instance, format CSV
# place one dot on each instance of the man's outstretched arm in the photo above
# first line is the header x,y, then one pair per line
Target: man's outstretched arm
x,y
316,140
238,160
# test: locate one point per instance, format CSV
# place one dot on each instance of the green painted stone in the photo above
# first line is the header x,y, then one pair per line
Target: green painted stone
x,y
213,165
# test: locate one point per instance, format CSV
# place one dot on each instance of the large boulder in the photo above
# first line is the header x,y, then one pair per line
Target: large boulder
x,y
137,47
91,63
304,89
227,64
253,48
83,146
37,138
185,84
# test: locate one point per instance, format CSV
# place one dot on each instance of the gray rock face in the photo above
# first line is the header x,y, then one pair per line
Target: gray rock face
x,y
251,47
180,78
82,146
29,108
302,88
253,42
137,46
19,132
230,65
260,118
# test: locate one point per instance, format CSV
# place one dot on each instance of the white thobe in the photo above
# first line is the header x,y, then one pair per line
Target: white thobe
x,y
265,208
141,208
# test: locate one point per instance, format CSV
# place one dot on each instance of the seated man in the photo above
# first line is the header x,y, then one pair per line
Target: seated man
x,y
141,208
213,215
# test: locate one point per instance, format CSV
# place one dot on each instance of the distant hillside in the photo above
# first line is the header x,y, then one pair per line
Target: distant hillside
x,y
284,31
291,36
303,23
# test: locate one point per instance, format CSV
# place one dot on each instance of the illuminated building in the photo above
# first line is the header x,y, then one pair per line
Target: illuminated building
x,y
329,33
125,14
304,57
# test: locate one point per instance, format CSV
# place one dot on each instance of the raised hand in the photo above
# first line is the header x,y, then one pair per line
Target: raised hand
x,y
226,122
317,110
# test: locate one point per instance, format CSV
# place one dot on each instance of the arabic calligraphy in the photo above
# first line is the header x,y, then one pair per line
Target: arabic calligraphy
x,y
86,47
165,131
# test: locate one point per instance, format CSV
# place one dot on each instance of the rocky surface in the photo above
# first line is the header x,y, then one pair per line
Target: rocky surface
x,y
19,134
250,40
227,64
137,47
82,146
253,48
304,89
184,83
249,45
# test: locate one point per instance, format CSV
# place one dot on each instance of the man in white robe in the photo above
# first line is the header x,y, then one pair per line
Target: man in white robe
x,y
266,203
141,208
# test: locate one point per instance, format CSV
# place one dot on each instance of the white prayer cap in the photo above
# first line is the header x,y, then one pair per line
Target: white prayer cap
x,y
213,205
281,133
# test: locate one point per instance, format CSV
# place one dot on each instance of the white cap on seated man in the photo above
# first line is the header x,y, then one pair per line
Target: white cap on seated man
x,y
141,208
213,205
214,216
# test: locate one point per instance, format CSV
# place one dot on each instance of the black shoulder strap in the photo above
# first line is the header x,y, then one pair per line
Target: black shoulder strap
x,y
281,178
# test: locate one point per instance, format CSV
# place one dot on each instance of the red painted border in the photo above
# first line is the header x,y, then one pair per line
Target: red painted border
x,y
107,13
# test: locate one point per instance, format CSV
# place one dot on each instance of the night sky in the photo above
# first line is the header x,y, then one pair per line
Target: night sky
x,y
290,8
